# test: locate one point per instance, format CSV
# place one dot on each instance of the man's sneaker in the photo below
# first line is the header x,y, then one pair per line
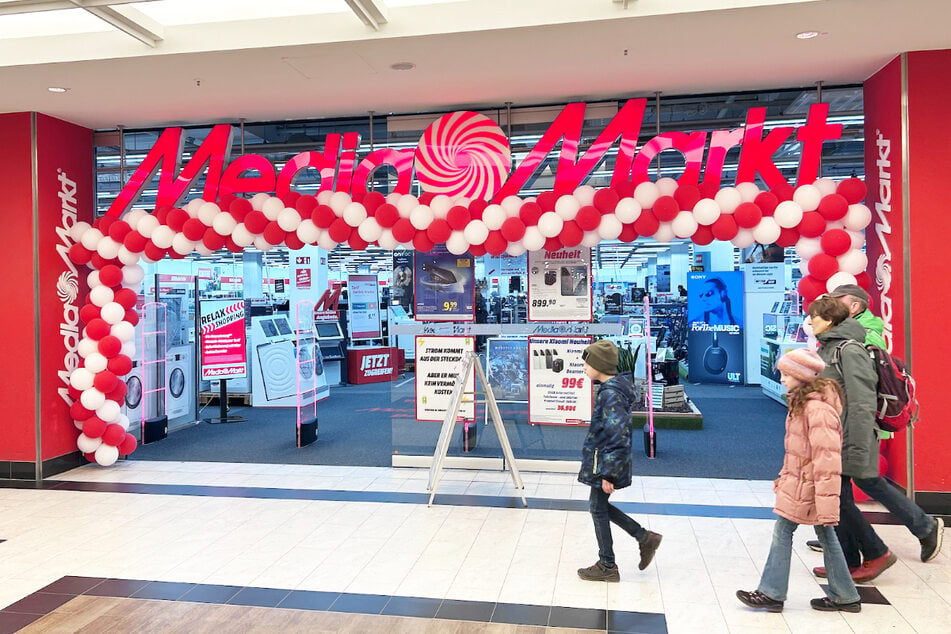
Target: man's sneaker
x,y
825,604
820,571
759,601
874,567
648,548
931,545
600,572
814,544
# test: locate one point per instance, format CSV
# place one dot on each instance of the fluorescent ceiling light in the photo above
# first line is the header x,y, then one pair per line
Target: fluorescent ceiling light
x,y
807,35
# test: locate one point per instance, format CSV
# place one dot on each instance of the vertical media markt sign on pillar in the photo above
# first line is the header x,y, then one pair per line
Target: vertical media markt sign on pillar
x,y
223,340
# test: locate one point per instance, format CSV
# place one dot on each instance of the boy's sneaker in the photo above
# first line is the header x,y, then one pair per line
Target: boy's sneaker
x,y
600,572
814,544
874,567
759,601
825,604
931,545
648,548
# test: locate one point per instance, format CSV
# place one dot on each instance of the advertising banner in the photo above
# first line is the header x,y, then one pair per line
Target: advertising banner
x,y
363,292
402,290
559,285
438,363
770,352
444,286
372,365
715,346
559,392
507,361
223,340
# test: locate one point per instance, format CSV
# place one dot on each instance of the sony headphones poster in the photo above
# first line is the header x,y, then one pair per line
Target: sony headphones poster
x,y
444,286
559,391
559,285
715,346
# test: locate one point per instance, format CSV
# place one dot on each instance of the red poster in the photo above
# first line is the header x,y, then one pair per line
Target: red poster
x,y
223,341
303,278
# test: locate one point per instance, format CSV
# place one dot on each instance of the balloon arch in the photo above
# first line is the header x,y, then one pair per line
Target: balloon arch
x,y
824,221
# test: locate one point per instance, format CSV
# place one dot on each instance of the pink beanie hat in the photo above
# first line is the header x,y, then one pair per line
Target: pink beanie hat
x,y
802,363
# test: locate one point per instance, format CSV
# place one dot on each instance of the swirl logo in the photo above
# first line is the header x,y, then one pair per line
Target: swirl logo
x,y
883,274
463,154
67,287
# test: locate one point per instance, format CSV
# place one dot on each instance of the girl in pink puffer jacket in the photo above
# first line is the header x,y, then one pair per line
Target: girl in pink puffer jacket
x,y
807,489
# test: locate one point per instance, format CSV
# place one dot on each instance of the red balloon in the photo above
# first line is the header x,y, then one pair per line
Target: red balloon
x,y
687,195
496,243
118,392
290,199
588,218
605,200
161,213
787,237
553,244
119,230
194,229
175,255
708,189
438,231
833,207
666,208
113,434
458,218
79,254
356,242
176,219
105,223
571,234
111,275
153,252
323,216
426,197
783,192
273,234
864,280
109,346
127,445
78,412
213,240
98,328
74,393
304,204
422,242
646,224
105,381
94,427
513,229
372,201
126,297
623,189
403,230
703,235
767,202
255,222
90,456
386,215
811,287
812,225
835,242
89,312
853,190
546,201
476,207
724,228
628,233
131,316
135,242
529,213
823,266
747,215
290,240
239,208
120,365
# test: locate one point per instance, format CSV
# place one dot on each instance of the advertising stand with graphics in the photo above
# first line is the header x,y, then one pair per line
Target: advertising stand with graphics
x,y
223,348
559,392
559,285
437,365
363,293
715,346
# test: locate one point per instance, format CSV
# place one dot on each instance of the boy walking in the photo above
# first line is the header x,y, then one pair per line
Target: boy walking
x,y
606,461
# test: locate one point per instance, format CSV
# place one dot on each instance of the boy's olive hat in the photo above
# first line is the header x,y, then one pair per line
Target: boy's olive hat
x,y
602,356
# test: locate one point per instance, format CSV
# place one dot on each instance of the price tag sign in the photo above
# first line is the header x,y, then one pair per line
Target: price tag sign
x,y
559,390
559,285
444,286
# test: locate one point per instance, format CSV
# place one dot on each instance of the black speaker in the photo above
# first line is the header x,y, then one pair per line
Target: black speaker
x,y
469,436
307,433
154,429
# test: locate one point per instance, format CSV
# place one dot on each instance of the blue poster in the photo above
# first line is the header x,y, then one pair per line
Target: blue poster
x,y
444,286
715,347
507,361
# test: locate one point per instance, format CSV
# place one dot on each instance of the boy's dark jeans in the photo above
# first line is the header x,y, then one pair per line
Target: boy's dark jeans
x,y
603,513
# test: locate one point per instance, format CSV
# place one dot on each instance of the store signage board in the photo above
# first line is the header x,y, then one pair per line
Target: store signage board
x,y
401,292
559,285
468,329
223,340
364,307
437,366
507,364
764,278
715,315
444,286
559,392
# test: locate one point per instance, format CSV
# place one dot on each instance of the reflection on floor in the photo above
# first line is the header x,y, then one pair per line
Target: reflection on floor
x,y
162,546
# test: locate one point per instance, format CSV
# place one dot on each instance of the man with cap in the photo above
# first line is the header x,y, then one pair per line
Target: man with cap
x,y
606,461
855,299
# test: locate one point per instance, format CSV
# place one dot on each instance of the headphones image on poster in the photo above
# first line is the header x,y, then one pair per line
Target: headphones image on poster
x,y
715,358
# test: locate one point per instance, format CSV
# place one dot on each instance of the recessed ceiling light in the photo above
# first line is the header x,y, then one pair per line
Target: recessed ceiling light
x,y
403,66
807,35
57,89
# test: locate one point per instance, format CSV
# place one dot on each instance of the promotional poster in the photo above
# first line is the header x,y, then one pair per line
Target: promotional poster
x,y
444,286
507,361
401,292
715,315
438,360
223,349
559,391
559,285
363,292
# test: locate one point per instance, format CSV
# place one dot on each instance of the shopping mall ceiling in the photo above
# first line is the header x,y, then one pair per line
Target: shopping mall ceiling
x,y
164,62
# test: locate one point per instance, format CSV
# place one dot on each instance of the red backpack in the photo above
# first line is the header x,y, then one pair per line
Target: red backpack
x,y
896,405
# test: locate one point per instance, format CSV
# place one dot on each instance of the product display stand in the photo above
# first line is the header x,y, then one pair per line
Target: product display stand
x,y
470,360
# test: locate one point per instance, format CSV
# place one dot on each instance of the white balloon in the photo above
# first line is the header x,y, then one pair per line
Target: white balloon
x,y
109,411
91,238
77,230
853,261
241,235
207,212
147,224
127,257
78,424
767,231
81,379
108,248
743,239
92,399
493,216
807,197
441,204
706,211
610,227
584,195
420,217
93,279
685,224
224,223
124,331
628,210
839,279
124,422
258,200
106,455
664,233
511,205
182,245
666,186
163,236
515,249
370,230
456,244
324,196
193,206
858,238
646,194
308,232
259,243
273,207
747,191
354,213
133,216
386,240
113,313
86,347
96,362
101,295
128,349
804,267
325,242
590,239
825,186
567,207
533,239
339,202
132,274
807,248
87,444
787,214
857,217
475,232
390,198
728,199
550,224
406,204
289,219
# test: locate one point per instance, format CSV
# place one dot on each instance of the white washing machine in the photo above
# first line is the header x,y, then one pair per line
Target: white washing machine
x,y
134,396
179,381
273,362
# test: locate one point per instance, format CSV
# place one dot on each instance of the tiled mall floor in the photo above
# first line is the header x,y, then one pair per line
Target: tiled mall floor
x,y
366,535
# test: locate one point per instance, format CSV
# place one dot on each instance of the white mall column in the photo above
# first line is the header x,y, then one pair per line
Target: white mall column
x,y
252,270
303,270
721,255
